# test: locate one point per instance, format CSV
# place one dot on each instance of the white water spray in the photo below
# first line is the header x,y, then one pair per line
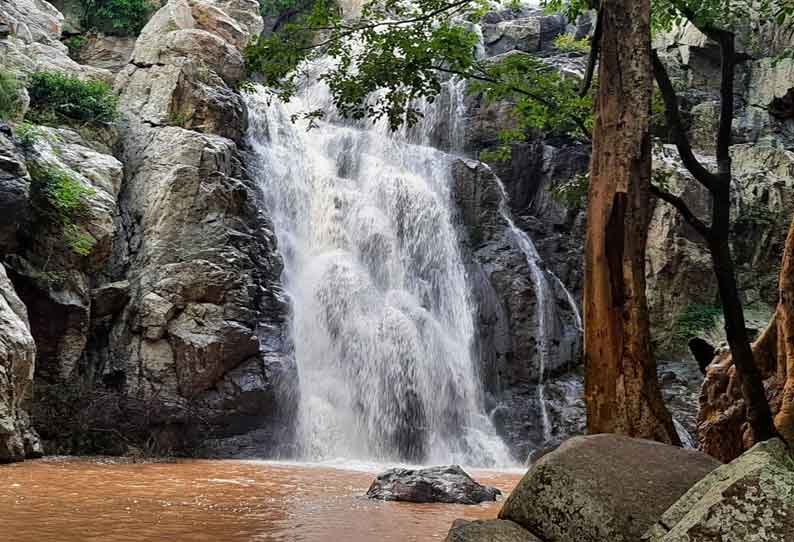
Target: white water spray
x,y
382,317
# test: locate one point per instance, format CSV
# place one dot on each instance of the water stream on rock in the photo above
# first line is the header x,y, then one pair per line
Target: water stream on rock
x,y
382,322
382,314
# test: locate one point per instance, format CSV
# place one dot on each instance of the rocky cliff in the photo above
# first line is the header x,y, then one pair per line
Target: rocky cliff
x,y
169,335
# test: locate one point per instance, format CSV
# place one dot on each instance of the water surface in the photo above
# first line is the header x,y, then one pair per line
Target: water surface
x,y
81,500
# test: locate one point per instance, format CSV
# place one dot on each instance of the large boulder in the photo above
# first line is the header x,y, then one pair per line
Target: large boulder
x,y
17,359
748,500
603,487
200,337
492,530
435,484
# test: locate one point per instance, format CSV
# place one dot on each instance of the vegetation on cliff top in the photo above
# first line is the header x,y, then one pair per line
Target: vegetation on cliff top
x,y
55,97
116,17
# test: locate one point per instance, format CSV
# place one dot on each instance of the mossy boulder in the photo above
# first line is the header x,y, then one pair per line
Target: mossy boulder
x,y
748,500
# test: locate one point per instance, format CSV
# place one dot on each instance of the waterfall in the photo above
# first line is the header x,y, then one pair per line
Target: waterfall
x,y
382,321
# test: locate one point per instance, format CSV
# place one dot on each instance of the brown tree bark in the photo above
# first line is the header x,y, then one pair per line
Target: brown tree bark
x,y
724,426
622,392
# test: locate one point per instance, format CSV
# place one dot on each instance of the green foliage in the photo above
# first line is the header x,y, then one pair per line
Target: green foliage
x,y
9,95
694,320
74,44
401,51
28,134
572,193
756,215
54,94
568,43
60,199
117,17
273,8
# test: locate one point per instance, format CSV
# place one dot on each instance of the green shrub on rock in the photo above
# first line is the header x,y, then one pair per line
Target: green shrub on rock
x,y
54,95
9,95
60,200
117,17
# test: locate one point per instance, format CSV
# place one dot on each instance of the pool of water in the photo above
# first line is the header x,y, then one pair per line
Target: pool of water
x,y
88,500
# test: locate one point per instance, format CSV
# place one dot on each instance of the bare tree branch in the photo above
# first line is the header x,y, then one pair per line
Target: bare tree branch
x,y
673,116
682,208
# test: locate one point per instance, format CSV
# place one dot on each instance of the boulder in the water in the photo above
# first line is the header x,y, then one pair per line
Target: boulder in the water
x,y
448,484
603,487
489,530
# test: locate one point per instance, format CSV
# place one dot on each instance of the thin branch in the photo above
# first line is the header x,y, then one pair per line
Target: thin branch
x,y
673,116
684,209
595,48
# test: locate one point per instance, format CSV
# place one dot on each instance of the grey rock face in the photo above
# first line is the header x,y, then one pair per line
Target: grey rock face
x,y
435,484
110,53
749,500
203,331
17,359
510,337
14,191
492,530
603,487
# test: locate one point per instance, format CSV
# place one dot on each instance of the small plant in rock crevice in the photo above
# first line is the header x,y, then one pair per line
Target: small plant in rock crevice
x,y
9,95
573,192
569,44
60,200
693,321
28,134
74,44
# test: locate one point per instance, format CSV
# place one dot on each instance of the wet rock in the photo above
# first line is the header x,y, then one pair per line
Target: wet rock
x,y
508,293
435,484
603,487
14,192
752,498
109,298
492,530
17,359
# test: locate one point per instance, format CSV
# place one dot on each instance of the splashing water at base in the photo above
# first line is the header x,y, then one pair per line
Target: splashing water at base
x,y
382,316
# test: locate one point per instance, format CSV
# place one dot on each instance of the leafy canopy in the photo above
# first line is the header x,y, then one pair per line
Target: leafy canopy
x,y
399,51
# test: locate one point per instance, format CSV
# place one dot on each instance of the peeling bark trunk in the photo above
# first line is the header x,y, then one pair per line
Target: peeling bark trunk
x,y
622,392
724,427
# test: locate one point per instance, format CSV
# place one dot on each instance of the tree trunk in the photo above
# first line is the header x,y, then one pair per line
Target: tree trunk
x,y
724,427
759,415
622,392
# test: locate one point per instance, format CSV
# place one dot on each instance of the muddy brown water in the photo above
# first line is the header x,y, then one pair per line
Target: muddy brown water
x,y
80,500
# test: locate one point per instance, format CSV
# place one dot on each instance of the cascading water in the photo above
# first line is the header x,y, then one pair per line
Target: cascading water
x,y
382,317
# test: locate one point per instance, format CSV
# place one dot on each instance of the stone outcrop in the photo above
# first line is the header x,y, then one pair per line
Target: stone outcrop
x,y
17,358
201,337
603,487
494,530
513,344
448,484
750,499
